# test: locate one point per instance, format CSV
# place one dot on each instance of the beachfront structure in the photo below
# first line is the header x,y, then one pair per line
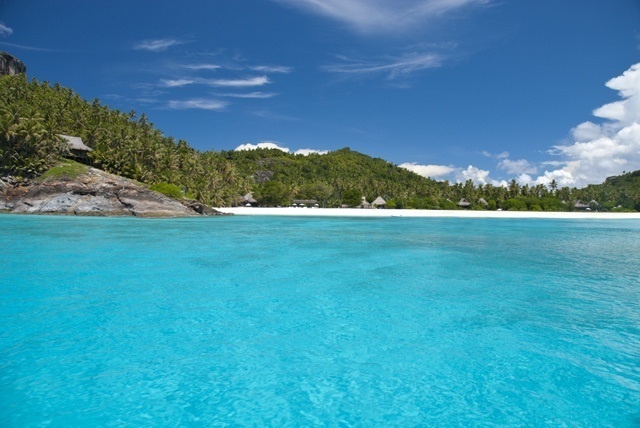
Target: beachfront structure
x,y
364,203
463,203
582,206
77,149
379,203
248,200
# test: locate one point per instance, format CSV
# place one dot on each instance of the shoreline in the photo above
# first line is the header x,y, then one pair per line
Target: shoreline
x,y
383,213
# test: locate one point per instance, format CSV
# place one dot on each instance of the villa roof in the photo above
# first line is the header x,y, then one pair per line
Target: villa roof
x,y
249,198
463,203
379,201
75,143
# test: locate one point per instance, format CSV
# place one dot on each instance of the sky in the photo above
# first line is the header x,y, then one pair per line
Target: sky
x,y
487,90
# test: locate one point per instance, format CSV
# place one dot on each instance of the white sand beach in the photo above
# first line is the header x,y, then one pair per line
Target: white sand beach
x,y
373,213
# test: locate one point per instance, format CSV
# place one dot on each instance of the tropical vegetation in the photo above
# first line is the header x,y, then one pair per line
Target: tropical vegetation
x,y
34,114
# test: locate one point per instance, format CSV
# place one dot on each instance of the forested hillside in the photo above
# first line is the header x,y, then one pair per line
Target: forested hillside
x,y
33,115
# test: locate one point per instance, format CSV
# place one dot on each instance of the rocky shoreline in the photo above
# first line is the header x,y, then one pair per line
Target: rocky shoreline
x,y
94,193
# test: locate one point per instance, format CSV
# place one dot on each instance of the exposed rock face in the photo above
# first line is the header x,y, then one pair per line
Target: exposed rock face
x,y
11,65
95,193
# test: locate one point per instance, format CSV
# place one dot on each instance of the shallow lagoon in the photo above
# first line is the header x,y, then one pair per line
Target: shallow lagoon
x,y
252,321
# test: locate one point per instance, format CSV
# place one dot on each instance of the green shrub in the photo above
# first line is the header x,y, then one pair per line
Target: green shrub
x,y
65,170
167,189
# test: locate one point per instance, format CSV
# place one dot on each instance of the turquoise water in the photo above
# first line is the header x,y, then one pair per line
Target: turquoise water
x,y
245,321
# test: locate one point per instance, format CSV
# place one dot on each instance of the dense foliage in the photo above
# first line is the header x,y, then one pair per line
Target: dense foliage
x,y
33,115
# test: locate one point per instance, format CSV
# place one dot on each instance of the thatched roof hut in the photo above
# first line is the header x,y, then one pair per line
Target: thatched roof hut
x,y
483,201
248,200
463,203
364,203
379,202
77,149
581,205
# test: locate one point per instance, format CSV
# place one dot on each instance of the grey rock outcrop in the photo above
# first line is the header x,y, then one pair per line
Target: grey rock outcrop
x,y
10,65
95,193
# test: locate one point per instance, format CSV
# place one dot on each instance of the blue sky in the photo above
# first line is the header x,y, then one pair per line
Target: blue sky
x,y
487,90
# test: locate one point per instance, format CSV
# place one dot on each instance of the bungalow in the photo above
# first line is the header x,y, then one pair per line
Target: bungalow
x,y
364,203
463,203
379,203
77,149
581,206
248,200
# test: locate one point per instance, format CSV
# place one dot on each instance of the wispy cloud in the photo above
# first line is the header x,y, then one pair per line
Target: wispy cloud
x,y
393,67
517,167
226,83
202,66
375,16
176,83
271,115
157,45
272,69
30,48
198,103
255,95
240,83
5,31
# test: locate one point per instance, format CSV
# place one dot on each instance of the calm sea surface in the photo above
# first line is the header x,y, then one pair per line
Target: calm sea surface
x,y
271,321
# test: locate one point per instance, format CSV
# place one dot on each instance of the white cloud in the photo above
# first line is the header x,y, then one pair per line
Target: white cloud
x,y
256,95
200,104
272,69
521,166
202,66
369,16
276,145
240,83
176,83
5,31
478,176
307,152
263,145
226,83
603,150
429,171
157,45
393,67
586,131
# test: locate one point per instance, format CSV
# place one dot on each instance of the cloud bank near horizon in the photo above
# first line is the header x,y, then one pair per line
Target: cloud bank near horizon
x,y
275,145
598,150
